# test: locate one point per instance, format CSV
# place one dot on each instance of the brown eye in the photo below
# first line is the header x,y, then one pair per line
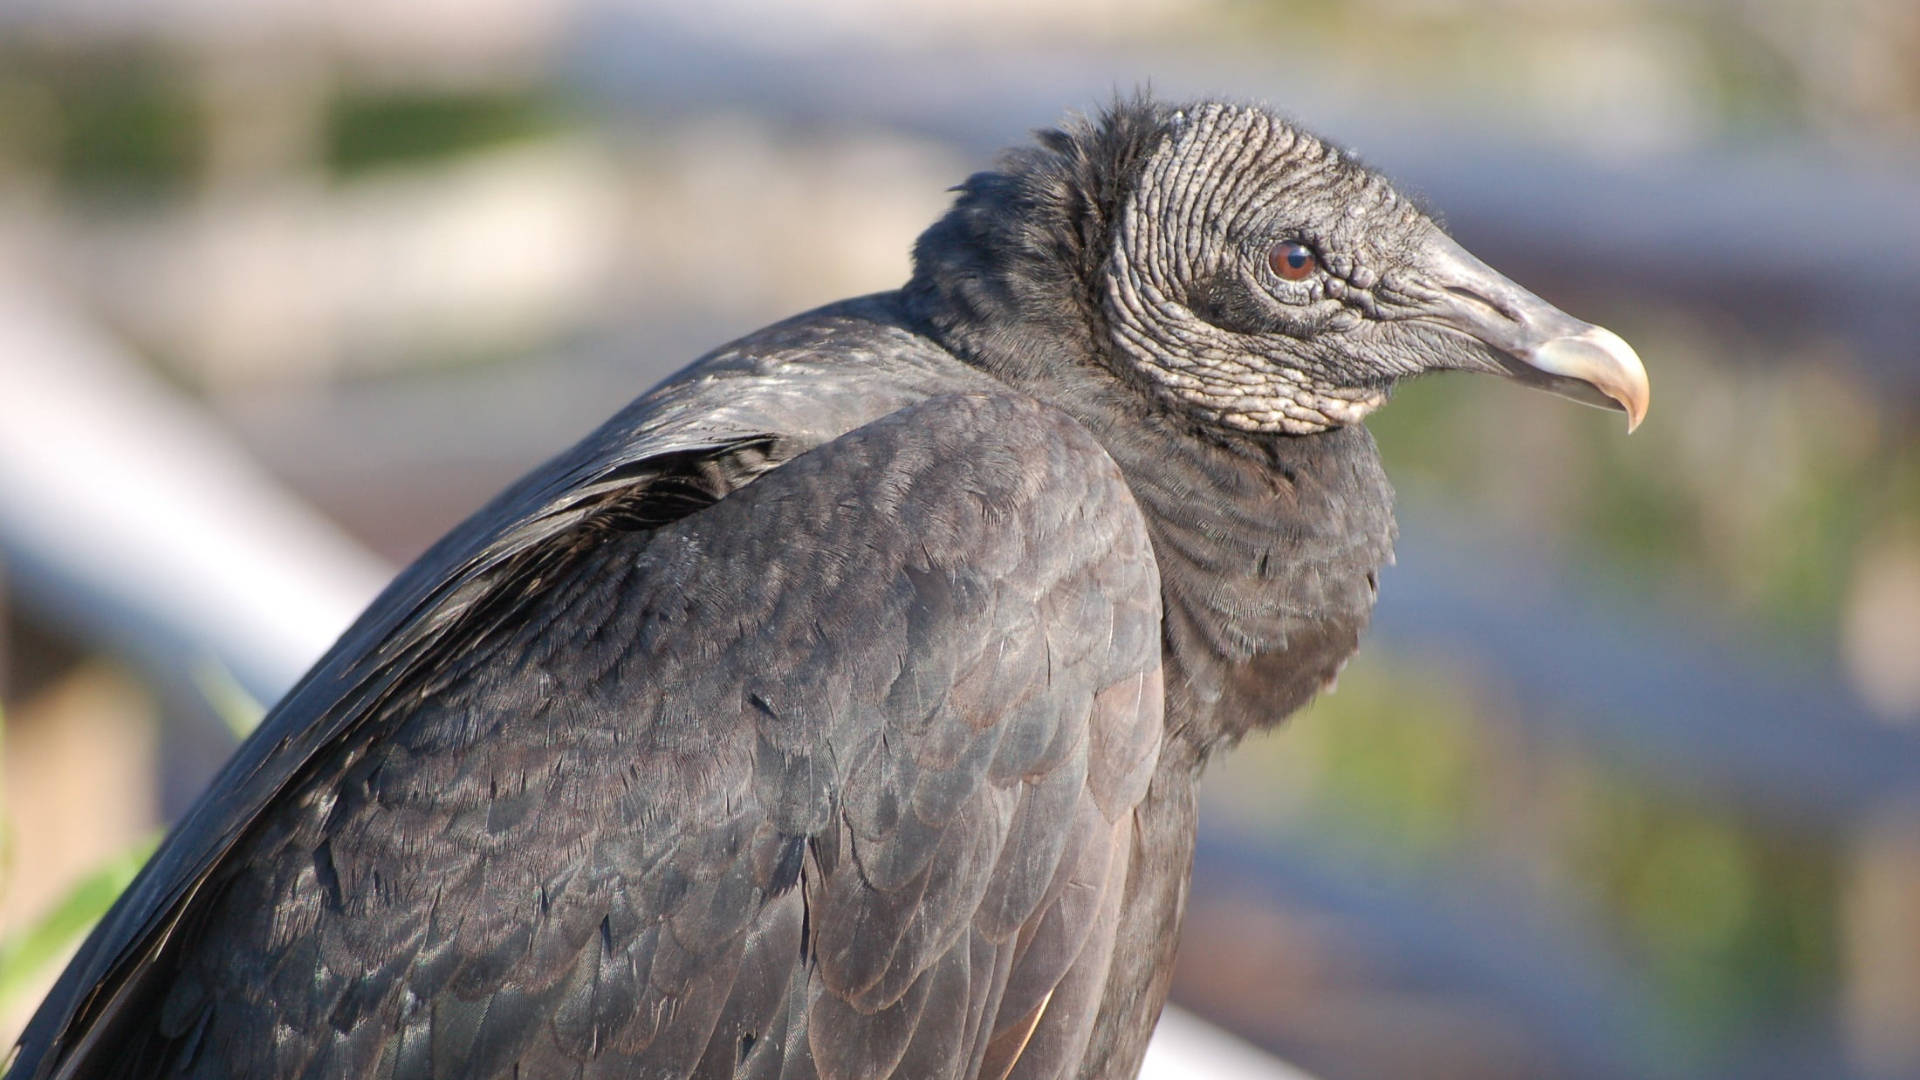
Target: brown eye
x,y
1292,260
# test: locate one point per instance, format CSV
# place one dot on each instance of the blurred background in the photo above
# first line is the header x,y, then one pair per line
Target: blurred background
x,y
1626,782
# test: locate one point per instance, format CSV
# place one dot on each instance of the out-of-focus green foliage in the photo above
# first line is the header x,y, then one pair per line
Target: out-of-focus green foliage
x,y
1736,923
134,129
6,822
1411,771
116,123
26,954
1737,67
240,710
134,123
368,130
1754,489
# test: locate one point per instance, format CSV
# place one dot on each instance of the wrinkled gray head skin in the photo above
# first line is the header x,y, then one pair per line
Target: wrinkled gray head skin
x,y
1162,221
1193,302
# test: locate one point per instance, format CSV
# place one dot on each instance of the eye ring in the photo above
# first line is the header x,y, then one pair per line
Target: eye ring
x,y
1291,260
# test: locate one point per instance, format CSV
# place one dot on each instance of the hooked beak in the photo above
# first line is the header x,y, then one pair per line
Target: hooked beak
x,y
1534,342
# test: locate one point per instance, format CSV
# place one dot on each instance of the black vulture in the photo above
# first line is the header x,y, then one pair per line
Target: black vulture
x,y
835,709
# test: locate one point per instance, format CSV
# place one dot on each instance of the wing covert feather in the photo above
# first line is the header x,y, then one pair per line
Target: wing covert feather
x,y
831,778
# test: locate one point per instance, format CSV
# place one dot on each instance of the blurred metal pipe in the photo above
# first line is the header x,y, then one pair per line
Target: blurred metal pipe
x,y
127,517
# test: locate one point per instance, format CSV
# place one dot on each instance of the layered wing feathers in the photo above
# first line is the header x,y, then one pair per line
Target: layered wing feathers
x,y
830,778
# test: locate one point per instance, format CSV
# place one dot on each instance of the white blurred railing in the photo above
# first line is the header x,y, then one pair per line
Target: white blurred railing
x,y
127,516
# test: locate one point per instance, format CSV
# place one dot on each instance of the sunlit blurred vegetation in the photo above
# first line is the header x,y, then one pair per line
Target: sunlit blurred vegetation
x,y
121,123
27,953
132,123
369,130
1713,69
1757,489
1411,769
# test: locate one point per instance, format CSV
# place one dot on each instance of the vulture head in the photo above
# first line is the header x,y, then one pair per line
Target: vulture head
x,y
1242,271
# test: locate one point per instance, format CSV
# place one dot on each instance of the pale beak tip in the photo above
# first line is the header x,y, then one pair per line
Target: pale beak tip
x,y
1629,384
1603,360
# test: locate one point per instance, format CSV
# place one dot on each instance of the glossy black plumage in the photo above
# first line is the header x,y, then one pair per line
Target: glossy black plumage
x,y
833,711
